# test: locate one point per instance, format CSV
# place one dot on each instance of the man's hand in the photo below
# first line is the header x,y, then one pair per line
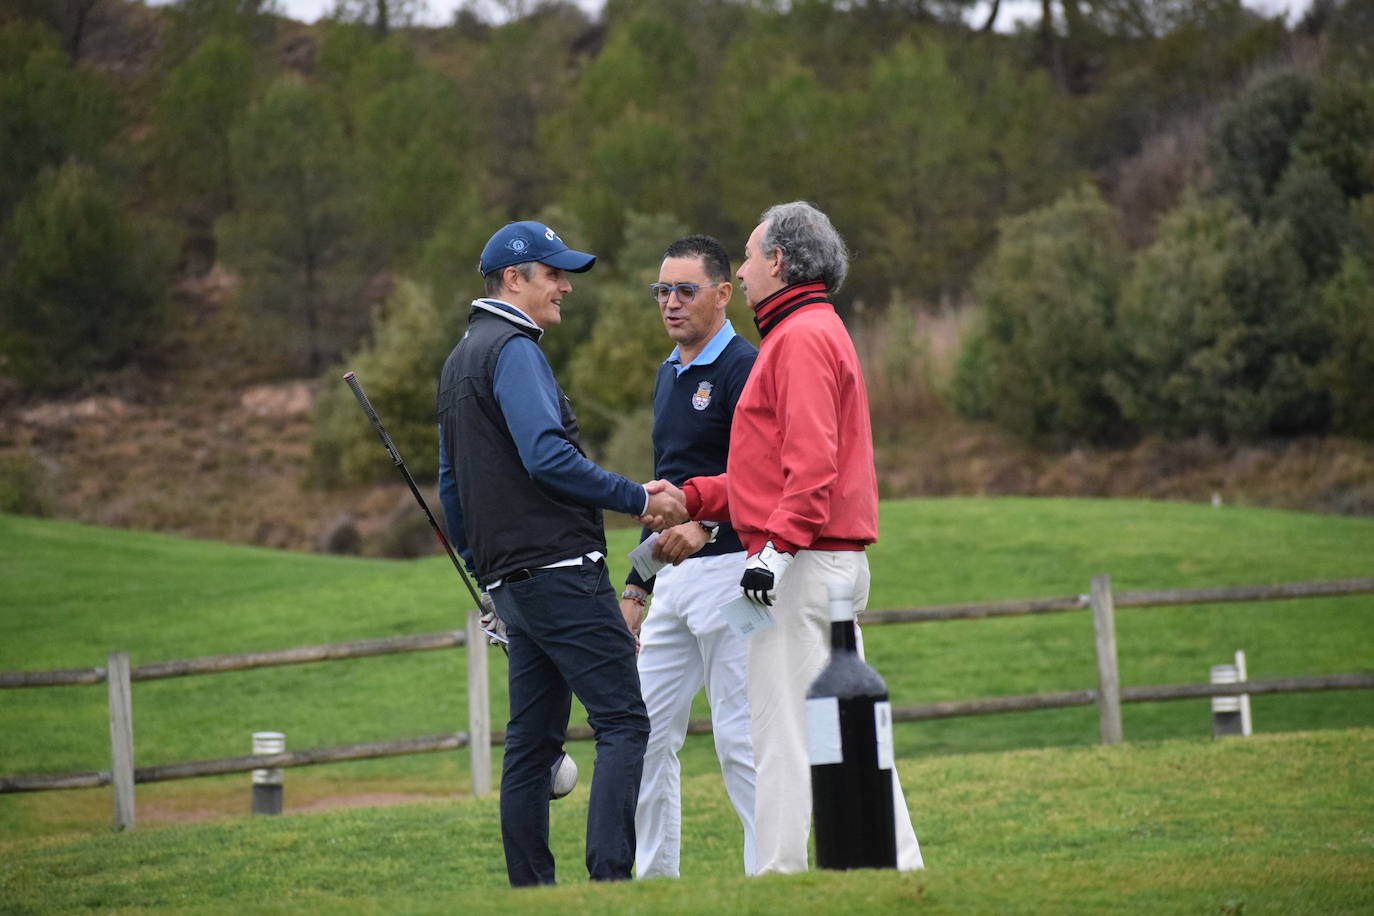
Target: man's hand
x,y
763,574
634,611
492,622
679,542
667,505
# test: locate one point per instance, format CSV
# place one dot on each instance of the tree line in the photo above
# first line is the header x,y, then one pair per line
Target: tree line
x,y
1161,211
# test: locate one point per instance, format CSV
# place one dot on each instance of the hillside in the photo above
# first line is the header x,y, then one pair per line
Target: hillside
x,y
203,435
202,451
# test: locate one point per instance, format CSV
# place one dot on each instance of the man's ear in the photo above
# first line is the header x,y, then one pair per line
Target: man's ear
x,y
775,268
723,293
511,279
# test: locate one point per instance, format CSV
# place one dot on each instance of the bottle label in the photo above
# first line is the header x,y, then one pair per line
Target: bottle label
x,y
882,727
823,731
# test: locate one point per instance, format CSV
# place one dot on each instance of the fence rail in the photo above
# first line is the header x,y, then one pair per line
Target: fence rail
x,y
39,782
1108,696
1019,607
947,710
244,661
1067,698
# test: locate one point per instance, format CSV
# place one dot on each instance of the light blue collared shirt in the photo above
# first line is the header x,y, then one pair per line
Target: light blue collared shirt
x,y
713,348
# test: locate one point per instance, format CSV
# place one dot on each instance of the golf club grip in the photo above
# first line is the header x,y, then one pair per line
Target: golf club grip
x,y
376,421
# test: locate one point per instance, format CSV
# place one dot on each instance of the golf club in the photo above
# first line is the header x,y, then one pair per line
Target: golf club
x,y
397,460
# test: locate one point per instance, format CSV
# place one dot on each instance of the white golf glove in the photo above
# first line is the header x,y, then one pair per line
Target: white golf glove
x,y
763,574
492,622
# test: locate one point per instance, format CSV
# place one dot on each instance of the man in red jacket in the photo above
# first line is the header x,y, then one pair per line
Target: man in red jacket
x,y
801,491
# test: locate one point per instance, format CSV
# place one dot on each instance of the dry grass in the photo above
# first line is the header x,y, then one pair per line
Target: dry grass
x,y
908,356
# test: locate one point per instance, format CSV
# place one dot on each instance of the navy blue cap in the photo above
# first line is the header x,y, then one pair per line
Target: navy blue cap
x,y
516,243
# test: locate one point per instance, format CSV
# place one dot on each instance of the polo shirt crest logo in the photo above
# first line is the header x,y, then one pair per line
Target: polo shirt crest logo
x,y
701,398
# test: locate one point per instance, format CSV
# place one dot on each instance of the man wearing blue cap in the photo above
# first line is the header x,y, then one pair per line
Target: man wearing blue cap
x,y
524,506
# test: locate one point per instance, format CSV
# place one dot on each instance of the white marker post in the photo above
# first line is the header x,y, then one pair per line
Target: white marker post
x,y
1231,715
267,783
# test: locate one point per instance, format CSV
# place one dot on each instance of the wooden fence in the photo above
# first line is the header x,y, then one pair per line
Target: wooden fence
x,y
118,675
1108,696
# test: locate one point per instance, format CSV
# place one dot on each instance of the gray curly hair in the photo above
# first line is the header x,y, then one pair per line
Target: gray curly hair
x,y
812,250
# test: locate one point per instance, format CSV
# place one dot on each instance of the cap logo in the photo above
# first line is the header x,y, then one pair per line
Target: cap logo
x,y
517,245
550,234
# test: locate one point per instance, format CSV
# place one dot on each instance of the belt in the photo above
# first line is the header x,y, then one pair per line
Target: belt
x,y
520,575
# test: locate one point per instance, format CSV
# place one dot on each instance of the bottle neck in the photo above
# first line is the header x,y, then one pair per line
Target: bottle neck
x,y
842,636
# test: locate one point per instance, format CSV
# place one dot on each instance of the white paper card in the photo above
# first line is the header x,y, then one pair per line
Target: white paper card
x,y
882,727
642,558
823,731
745,618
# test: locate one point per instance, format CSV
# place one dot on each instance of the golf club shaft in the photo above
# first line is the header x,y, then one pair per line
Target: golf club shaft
x,y
396,459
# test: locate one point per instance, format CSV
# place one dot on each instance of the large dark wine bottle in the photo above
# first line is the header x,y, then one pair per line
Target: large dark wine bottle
x,y
849,736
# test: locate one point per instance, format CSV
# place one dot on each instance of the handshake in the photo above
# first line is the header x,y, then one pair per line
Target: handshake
x,y
763,571
667,506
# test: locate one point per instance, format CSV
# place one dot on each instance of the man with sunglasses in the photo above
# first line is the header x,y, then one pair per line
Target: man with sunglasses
x,y
685,642
524,507
801,490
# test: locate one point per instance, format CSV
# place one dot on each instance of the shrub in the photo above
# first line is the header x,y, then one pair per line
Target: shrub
x,y
1215,334
190,123
49,110
399,371
1350,38
85,289
448,262
1048,292
1339,134
1347,312
968,390
1317,214
296,233
612,373
26,486
1251,147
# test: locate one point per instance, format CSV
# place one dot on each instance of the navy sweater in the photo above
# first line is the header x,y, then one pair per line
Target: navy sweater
x,y
692,415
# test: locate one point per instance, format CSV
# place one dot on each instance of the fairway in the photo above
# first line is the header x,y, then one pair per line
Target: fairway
x,y
975,785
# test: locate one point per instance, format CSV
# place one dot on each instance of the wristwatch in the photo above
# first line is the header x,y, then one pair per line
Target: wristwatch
x,y
635,596
712,528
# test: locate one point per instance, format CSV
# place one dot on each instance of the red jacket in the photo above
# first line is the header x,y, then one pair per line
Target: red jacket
x,y
800,469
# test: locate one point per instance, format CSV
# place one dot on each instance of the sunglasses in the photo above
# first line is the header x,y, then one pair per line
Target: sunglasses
x,y
686,292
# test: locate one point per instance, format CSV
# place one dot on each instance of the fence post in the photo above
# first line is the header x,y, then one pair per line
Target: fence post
x,y
479,706
1108,680
121,739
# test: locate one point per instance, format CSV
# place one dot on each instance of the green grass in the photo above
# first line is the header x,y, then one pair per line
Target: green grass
x,y
1272,824
71,594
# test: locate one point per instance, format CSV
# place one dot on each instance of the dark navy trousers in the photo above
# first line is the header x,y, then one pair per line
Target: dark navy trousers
x,y
567,638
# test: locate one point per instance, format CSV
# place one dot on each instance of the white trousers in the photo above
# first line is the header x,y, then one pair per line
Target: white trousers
x,y
685,645
783,661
